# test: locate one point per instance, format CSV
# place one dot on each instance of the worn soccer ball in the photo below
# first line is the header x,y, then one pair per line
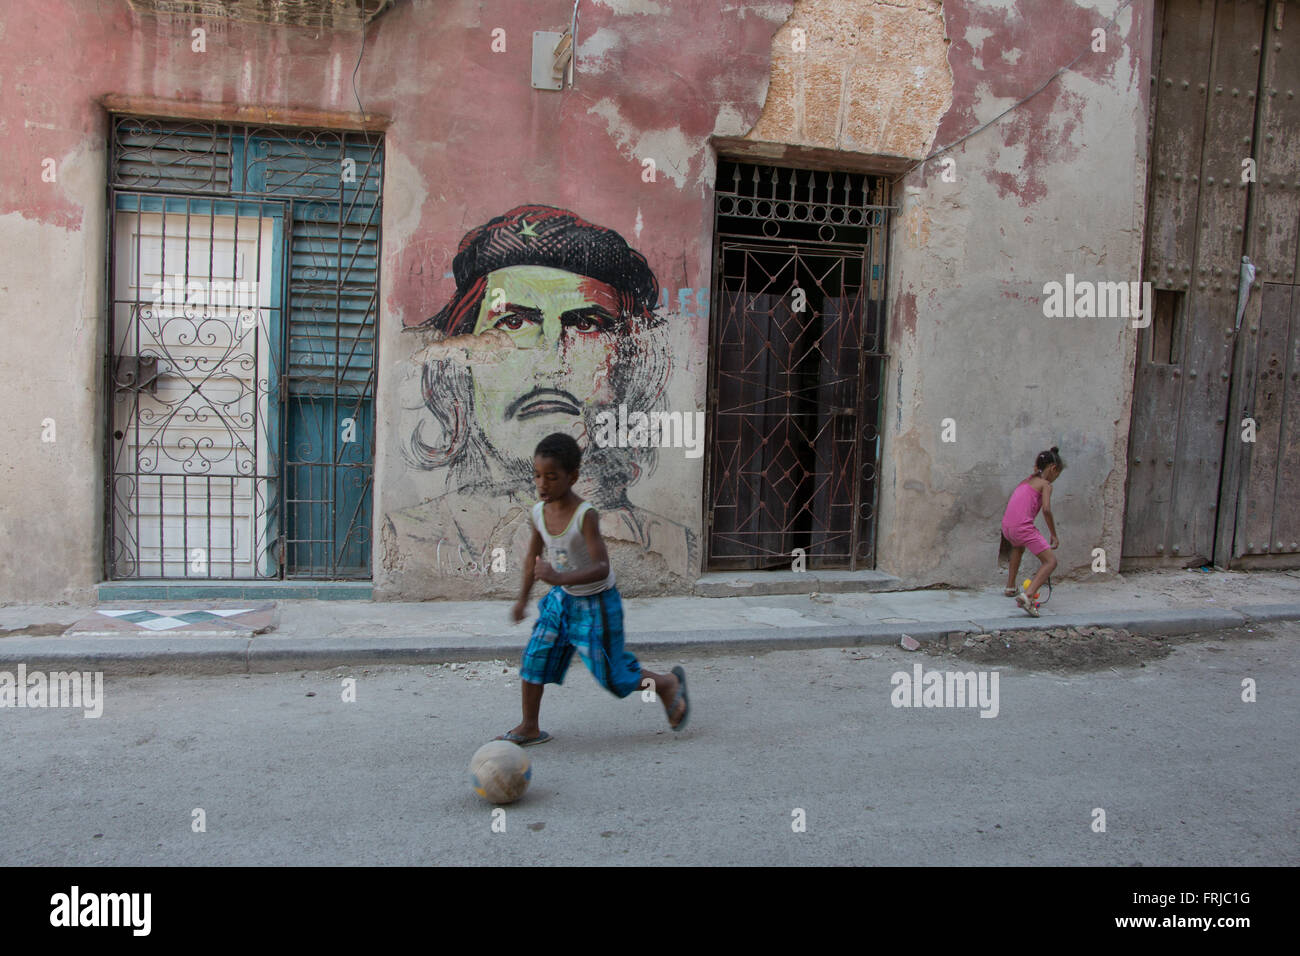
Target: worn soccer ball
x,y
499,771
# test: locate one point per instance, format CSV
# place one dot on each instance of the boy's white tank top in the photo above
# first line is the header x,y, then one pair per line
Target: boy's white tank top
x,y
568,551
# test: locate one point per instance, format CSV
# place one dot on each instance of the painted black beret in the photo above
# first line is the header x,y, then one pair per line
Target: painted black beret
x,y
544,236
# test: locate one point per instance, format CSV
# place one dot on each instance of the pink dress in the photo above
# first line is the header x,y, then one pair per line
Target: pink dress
x,y
1018,522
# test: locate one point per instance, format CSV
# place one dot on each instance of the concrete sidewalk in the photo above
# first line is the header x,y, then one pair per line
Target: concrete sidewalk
x,y
320,634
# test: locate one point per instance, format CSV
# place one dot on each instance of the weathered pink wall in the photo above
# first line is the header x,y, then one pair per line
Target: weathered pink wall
x,y
1005,52
1057,185
469,139
656,85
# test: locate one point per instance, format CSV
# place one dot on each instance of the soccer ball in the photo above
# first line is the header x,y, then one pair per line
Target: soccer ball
x,y
499,771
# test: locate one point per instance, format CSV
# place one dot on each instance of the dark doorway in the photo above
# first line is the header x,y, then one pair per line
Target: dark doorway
x,y
795,367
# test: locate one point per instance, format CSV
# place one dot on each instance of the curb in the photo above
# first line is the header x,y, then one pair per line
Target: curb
x,y
1271,612
272,653
1138,622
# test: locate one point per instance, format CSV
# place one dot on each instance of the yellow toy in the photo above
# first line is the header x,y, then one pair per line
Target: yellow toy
x,y
1034,597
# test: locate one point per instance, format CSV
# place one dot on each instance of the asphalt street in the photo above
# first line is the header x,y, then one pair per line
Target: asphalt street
x,y
285,771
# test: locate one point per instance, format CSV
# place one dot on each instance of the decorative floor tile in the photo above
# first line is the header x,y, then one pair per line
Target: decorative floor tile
x,y
232,621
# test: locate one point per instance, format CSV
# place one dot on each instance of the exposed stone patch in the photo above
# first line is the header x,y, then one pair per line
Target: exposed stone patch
x,y
862,76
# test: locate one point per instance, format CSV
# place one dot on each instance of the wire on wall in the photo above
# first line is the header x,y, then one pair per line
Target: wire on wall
x,y
1014,106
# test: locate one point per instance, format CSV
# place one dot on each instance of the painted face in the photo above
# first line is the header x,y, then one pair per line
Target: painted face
x,y
563,327
552,481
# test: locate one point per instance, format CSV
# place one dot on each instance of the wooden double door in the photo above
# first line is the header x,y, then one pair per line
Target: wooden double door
x,y
1214,448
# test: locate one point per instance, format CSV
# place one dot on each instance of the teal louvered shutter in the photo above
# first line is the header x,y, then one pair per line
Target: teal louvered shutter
x,y
334,182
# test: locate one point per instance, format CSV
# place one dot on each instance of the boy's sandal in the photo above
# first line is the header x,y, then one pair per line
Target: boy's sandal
x,y
511,737
680,674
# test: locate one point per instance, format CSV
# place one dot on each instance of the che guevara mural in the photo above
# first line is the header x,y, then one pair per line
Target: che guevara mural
x,y
553,321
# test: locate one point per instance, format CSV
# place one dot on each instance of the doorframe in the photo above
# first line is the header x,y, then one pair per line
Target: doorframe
x,y
880,203
361,137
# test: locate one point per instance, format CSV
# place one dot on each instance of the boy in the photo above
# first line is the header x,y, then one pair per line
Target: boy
x,y
583,609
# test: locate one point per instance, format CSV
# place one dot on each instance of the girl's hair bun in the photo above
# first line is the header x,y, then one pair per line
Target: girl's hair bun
x,y
1050,457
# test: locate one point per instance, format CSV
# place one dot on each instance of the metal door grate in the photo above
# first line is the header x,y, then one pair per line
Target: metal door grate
x,y
243,296
796,363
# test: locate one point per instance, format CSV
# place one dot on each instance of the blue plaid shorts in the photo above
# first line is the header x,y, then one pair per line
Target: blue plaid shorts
x,y
594,626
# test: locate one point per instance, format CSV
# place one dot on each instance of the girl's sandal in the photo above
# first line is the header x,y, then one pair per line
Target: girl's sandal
x,y
1026,602
1009,592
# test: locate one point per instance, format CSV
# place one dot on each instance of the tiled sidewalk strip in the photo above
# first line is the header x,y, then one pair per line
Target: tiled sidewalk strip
x,y
276,652
191,622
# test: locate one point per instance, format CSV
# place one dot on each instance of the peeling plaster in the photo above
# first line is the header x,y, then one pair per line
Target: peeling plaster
x,y
405,196
670,148
335,76
773,12
596,53
1046,121
405,193
625,7
730,121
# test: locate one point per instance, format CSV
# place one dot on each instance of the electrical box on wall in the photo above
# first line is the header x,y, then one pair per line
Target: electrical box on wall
x,y
553,55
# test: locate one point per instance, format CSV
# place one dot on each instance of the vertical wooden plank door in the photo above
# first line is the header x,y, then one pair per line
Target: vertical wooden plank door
x,y
1214,108
1266,493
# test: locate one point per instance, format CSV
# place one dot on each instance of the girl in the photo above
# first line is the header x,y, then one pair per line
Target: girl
x,y
1018,526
